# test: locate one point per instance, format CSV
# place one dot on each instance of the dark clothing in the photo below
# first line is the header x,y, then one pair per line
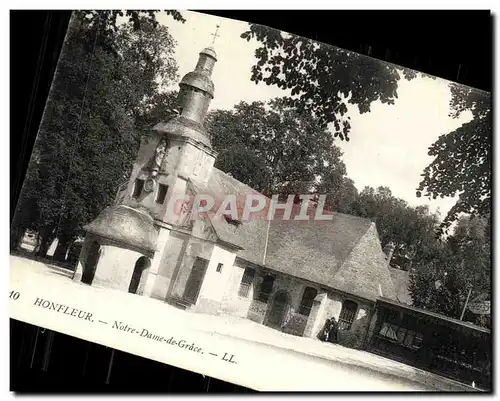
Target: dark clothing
x,y
329,331
323,334
332,332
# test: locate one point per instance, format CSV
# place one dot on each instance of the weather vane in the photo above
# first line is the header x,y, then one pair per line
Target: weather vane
x,y
215,34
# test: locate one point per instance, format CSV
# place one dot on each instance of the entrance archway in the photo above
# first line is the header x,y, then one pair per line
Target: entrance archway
x,y
91,260
139,275
278,310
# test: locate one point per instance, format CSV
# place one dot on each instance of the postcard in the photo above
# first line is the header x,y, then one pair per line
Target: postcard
x,y
258,207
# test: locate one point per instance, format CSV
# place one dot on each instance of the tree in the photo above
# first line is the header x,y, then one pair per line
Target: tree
x,y
276,150
340,192
97,111
323,78
462,163
462,264
471,243
108,22
410,229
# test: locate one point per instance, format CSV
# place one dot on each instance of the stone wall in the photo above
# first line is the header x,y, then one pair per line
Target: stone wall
x,y
233,303
296,324
195,248
328,305
195,163
355,336
140,170
317,316
170,259
115,265
257,311
215,282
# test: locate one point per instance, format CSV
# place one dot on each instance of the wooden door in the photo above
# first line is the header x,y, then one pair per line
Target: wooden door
x,y
279,309
195,280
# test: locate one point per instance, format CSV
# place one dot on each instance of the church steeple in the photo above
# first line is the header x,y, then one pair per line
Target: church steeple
x,y
172,161
197,88
195,94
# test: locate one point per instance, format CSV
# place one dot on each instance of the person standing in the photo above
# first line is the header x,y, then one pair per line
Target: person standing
x,y
323,334
332,331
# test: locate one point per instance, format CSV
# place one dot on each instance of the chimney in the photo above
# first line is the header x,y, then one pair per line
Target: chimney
x,y
389,250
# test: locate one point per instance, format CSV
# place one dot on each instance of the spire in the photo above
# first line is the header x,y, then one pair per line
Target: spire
x,y
195,94
197,88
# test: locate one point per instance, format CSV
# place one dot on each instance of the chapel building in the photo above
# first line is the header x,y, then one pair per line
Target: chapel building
x,y
286,274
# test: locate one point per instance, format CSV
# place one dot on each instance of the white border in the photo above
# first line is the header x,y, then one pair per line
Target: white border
x,y
173,4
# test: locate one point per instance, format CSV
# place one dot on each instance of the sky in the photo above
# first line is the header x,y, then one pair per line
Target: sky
x,y
387,147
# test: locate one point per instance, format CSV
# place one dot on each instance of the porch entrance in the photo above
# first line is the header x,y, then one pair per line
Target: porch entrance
x,y
139,275
195,280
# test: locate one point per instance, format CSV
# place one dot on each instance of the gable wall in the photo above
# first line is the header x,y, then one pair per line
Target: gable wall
x,y
366,269
232,303
215,283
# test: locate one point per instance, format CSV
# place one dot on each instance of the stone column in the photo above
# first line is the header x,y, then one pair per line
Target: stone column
x,y
161,243
77,275
317,315
374,325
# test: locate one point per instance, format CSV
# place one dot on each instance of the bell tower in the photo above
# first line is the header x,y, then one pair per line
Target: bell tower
x,y
197,88
178,151
124,246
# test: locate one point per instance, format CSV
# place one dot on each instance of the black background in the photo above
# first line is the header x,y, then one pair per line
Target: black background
x,y
454,45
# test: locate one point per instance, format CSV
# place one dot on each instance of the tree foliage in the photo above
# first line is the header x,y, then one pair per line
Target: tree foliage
x,y
108,21
323,78
276,150
97,111
462,263
462,163
410,229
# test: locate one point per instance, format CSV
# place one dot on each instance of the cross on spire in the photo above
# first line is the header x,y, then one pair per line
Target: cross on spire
x,y
215,34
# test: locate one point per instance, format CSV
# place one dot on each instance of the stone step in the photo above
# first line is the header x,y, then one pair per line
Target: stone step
x,y
179,303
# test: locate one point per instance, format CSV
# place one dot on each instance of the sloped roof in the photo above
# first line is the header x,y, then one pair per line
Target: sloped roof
x,y
123,224
184,127
313,250
249,235
468,325
401,281
365,272
329,252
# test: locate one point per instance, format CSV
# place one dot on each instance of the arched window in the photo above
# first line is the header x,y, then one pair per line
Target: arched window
x,y
138,277
307,300
347,314
266,288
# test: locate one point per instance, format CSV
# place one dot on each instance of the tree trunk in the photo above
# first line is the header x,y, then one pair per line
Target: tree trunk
x,y
44,246
63,245
46,237
16,235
